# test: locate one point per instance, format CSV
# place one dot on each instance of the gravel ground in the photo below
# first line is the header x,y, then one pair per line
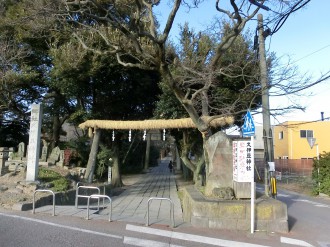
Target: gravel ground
x,y
13,189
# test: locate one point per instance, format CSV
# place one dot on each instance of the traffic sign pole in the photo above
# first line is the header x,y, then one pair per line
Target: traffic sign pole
x,y
252,187
248,130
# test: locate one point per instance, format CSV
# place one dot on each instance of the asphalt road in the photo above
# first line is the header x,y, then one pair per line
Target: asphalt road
x,y
22,229
309,217
309,221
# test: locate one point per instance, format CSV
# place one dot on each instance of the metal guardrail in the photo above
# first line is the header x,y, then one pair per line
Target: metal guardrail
x,y
85,196
171,211
34,195
98,208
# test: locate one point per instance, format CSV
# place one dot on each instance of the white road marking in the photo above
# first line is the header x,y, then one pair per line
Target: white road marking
x,y
283,195
316,204
322,206
62,226
295,242
190,237
147,243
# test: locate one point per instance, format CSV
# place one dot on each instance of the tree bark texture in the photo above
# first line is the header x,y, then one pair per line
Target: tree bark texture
x,y
116,176
92,156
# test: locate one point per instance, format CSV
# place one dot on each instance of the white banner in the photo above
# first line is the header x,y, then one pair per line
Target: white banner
x,y
243,161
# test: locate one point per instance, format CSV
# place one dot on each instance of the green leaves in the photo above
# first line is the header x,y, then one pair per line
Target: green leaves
x,y
321,174
58,182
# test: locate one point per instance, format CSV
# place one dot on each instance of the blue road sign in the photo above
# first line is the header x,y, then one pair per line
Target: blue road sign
x,y
248,127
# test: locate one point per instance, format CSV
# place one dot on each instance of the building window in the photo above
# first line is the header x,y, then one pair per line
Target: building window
x,y
280,135
306,133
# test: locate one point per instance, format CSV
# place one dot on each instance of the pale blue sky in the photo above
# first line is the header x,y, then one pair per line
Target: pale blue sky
x,y
305,37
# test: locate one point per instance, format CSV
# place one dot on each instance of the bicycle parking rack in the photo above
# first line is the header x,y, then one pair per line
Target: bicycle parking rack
x,y
85,196
98,208
34,195
171,210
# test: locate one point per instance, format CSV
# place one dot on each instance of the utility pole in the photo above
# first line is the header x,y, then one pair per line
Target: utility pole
x,y
267,131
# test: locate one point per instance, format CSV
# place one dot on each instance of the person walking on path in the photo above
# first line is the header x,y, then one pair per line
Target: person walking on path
x,y
170,166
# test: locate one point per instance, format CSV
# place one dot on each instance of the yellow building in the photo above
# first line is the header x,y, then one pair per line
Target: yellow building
x,y
293,139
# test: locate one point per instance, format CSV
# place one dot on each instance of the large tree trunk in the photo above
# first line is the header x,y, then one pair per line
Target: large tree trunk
x,y
56,127
193,165
116,176
92,156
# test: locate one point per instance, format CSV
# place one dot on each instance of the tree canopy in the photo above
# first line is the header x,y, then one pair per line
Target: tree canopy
x,y
194,72
104,59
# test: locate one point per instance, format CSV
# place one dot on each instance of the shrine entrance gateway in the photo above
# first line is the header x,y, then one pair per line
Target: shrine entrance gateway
x,y
98,125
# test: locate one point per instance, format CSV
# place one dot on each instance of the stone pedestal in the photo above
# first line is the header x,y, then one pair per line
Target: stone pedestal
x,y
242,190
270,215
220,170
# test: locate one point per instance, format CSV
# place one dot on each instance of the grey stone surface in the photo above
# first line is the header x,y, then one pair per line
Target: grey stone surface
x,y
34,143
220,171
54,156
270,215
44,151
3,157
21,150
242,190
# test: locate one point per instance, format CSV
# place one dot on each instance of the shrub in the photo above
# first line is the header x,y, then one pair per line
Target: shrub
x,y
321,174
58,182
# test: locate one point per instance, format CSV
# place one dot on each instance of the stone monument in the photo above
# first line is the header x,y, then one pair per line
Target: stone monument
x,y
220,170
21,151
44,151
54,156
3,157
34,143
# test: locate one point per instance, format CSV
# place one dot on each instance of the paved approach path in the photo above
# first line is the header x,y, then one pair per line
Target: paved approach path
x,y
131,205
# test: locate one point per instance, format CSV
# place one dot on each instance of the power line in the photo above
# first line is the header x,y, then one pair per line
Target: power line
x,y
299,123
312,53
285,16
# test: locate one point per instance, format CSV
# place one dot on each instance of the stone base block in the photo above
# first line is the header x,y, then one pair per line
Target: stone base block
x,y
270,215
242,190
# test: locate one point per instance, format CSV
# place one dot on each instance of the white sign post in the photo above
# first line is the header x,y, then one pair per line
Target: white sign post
x,y
249,130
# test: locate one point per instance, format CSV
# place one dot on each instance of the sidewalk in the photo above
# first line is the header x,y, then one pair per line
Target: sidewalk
x,y
131,205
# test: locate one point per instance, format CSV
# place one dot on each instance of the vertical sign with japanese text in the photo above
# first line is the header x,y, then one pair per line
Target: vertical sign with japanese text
x,y
34,143
243,161
235,160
